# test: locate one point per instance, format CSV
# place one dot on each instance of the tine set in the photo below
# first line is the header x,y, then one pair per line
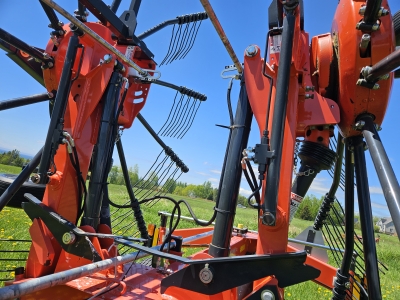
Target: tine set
x,y
182,40
182,113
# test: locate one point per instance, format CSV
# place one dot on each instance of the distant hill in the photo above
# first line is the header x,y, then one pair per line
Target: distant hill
x,y
23,155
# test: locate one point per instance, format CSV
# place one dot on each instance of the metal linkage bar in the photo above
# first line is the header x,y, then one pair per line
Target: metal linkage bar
x,y
37,284
386,175
167,149
54,21
217,25
383,67
181,89
95,36
371,11
31,51
17,102
56,122
19,181
339,290
367,225
278,122
141,224
231,176
178,20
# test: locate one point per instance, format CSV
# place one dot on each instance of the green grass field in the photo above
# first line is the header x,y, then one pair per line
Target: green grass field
x,y
15,224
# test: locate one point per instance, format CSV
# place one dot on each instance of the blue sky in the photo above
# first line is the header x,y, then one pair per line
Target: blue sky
x,y
203,147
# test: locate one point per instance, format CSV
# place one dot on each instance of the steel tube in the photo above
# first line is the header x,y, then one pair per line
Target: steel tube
x,y
59,107
339,290
102,152
19,181
371,11
278,122
231,177
384,66
217,25
387,178
367,225
17,102
338,167
95,36
156,28
37,284
141,224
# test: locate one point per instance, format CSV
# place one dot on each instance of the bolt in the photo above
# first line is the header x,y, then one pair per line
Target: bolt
x,y
267,295
375,27
365,146
384,77
50,94
359,125
376,86
378,127
35,178
309,96
50,64
60,23
383,12
251,51
268,219
68,238
309,88
107,58
347,284
46,55
362,10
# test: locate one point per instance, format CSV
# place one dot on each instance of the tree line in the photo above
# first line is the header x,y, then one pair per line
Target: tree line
x,y
13,158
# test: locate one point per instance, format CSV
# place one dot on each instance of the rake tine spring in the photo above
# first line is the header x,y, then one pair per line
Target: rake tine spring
x,y
194,39
189,119
182,42
178,126
174,43
188,40
173,120
169,47
192,119
173,104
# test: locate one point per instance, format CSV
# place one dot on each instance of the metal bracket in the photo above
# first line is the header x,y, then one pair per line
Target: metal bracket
x,y
231,68
70,238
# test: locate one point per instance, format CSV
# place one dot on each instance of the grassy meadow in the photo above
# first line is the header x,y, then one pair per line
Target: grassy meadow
x,y
14,224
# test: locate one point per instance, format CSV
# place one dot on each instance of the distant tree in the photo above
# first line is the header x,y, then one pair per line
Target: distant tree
x,y
133,174
215,194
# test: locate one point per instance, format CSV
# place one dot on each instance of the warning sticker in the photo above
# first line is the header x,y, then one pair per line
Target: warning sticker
x,y
129,52
295,201
275,44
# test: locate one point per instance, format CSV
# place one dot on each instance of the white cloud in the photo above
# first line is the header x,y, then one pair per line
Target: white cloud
x,y
215,171
205,163
377,205
319,187
244,192
213,179
375,190
201,173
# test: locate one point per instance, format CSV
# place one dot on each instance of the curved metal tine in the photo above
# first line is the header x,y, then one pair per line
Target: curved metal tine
x,y
179,119
183,39
189,40
173,104
158,156
152,203
160,178
178,126
169,47
147,181
166,187
188,119
176,112
192,119
150,190
194,39
174,43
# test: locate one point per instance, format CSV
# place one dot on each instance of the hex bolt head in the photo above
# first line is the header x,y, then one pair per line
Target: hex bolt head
x,y
251,51
68,238
268,219
267,295
309,96
35,178
359,125
107,58
309,88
